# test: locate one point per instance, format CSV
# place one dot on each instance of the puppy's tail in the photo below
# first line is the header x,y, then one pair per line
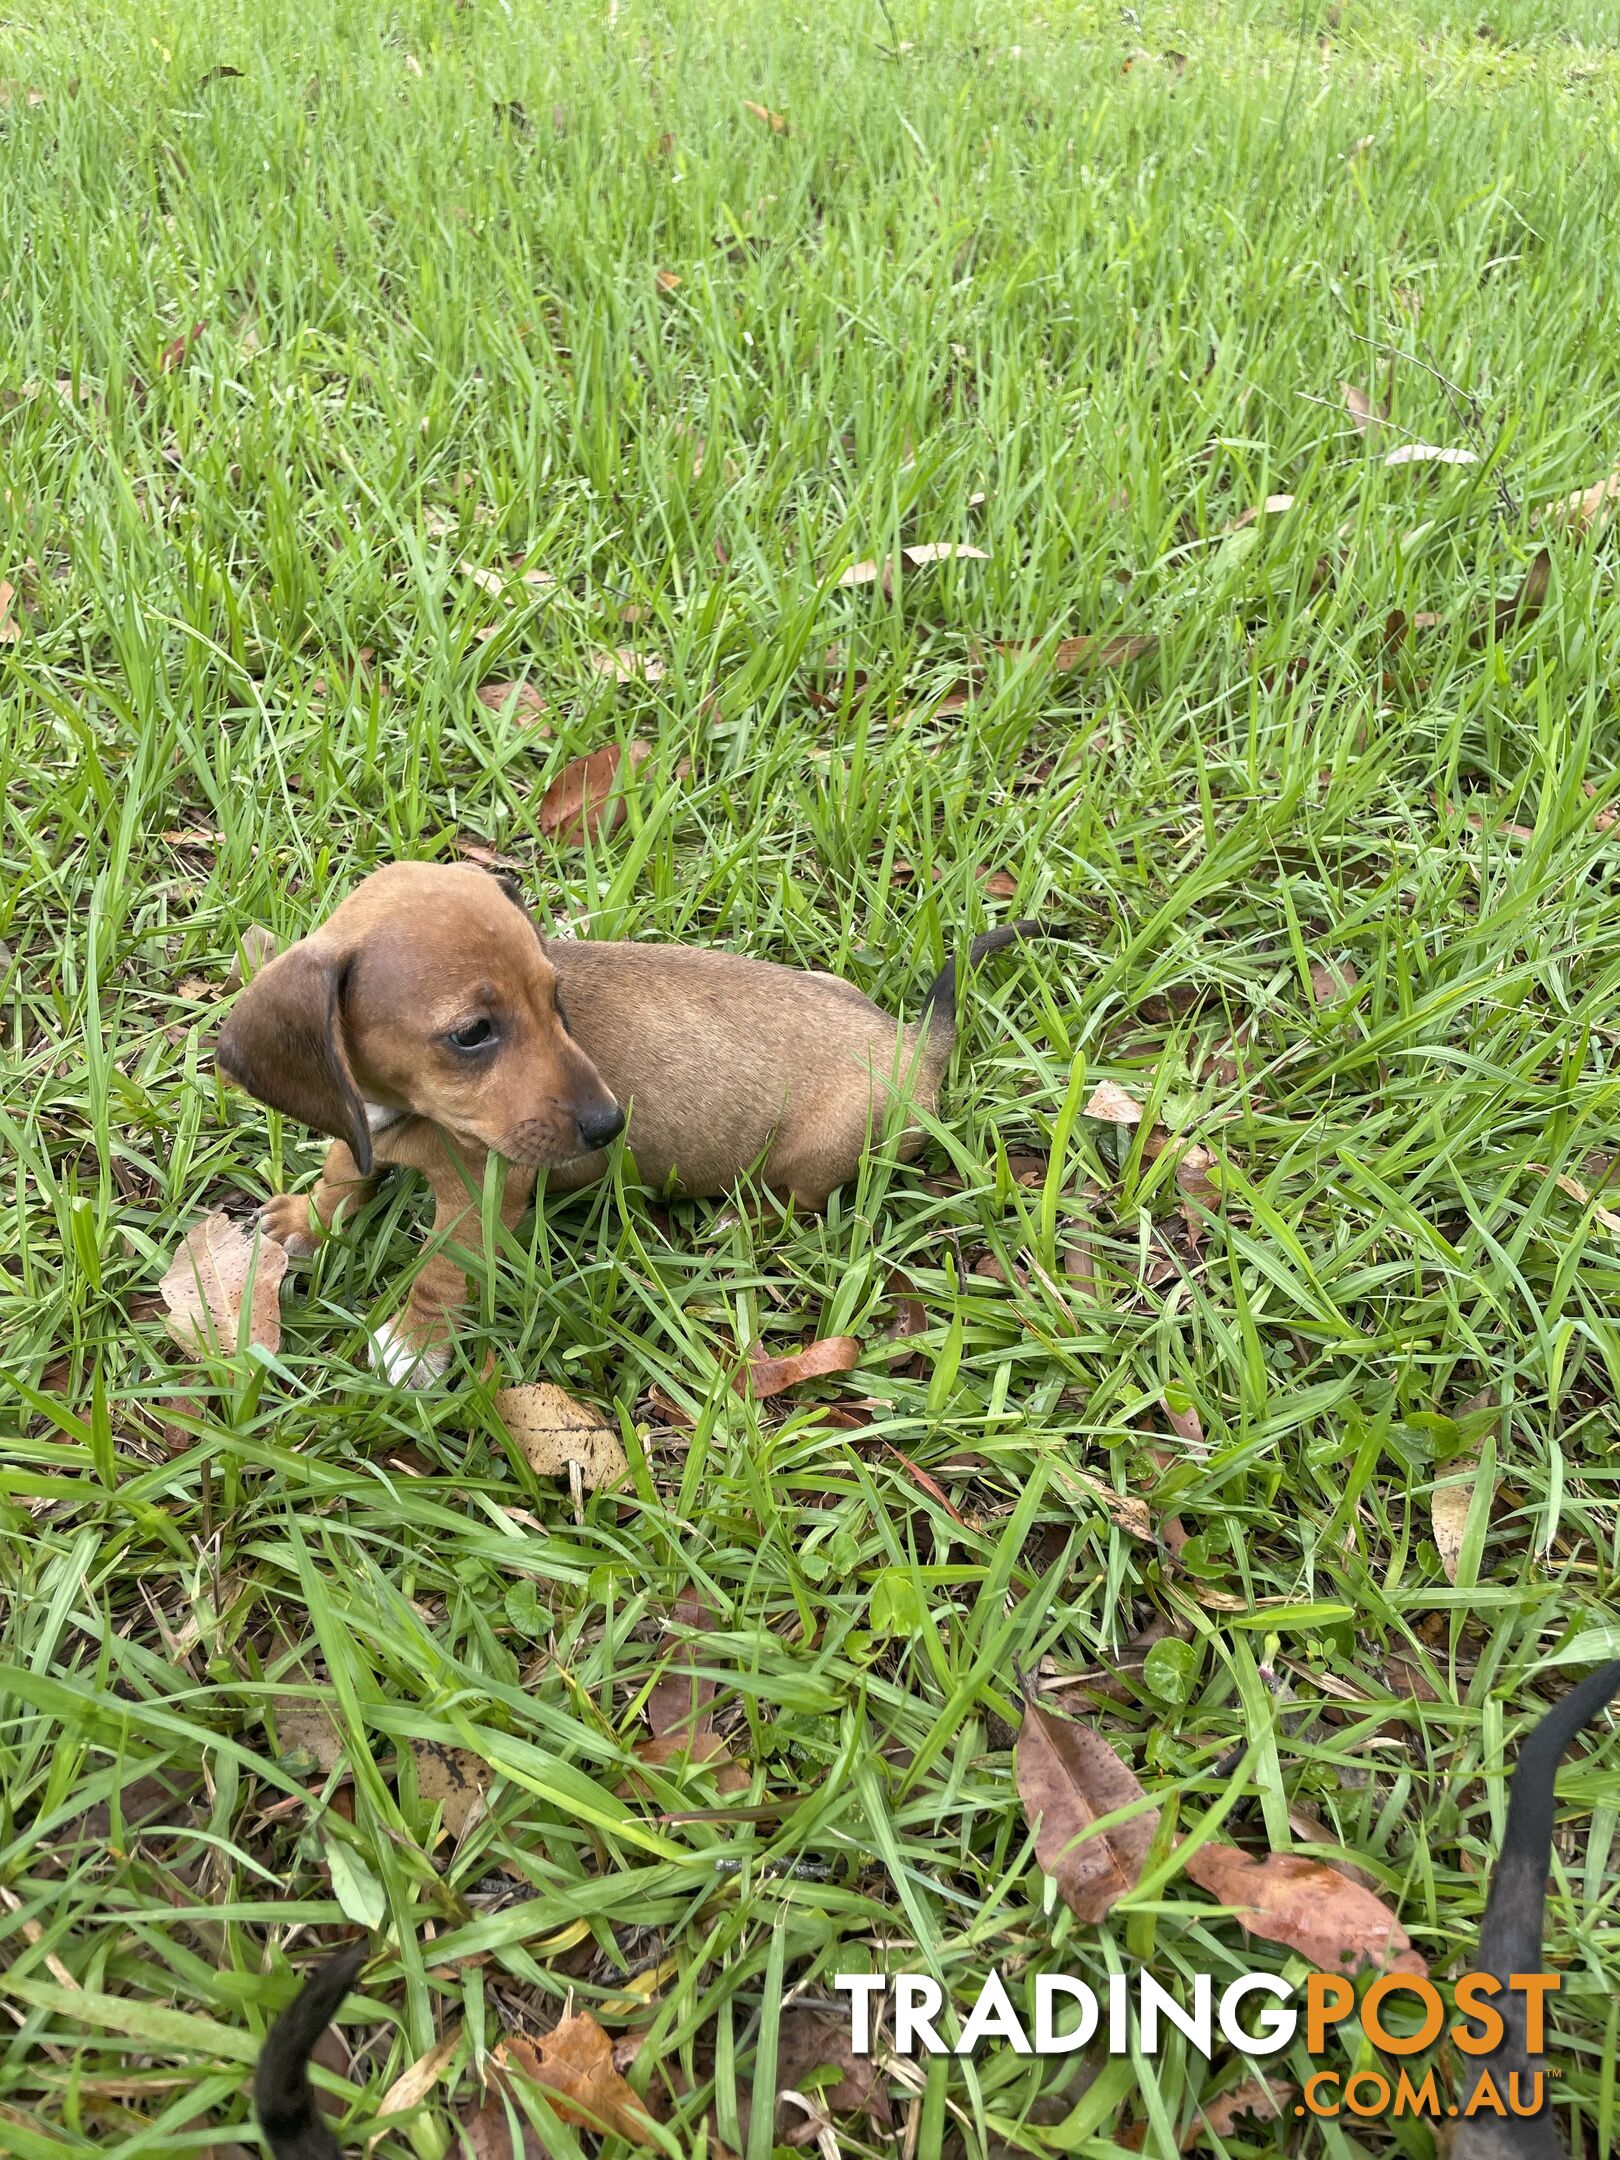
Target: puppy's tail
x,y
283,2097
938,1016
1511,1933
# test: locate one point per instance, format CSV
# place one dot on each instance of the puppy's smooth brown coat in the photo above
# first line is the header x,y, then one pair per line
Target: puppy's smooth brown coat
x,y
428,1023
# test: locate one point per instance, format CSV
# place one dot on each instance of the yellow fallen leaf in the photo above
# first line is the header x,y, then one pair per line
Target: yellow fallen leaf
x,y
211,1277
1113,1105
554,1431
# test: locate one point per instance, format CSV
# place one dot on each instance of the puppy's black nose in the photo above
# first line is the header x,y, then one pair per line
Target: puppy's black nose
x,y
597,1127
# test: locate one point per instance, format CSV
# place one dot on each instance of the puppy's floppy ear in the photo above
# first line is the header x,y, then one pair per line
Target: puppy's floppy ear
x,y
514,892
284,1043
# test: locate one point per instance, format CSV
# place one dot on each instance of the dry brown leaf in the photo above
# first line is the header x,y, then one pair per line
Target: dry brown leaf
x,y
1362,410
1123,1509
13,92
678,1700
412,2087
1587,507
304,1728
209,1279
1080,1265
1068,1777
773,120
763,1376
627,665
667,280
455,1776
917,557
574,2063
176,350
1332,982
703,1747
1602,820
1219,2117
472,849
10,628
807,2041
1111,1103
932,551
196,989
1273,506
999,884
1082,652
488,2131
910,1318
1185,1424
1448,1507
587,796
554,1431
254,948
1526,604
1308,1906
1422,453
521,701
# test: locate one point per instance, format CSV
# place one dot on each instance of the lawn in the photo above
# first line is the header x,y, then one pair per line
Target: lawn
x,y
355,358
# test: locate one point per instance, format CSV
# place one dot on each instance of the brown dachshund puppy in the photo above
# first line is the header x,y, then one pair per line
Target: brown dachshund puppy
x,y
428,1023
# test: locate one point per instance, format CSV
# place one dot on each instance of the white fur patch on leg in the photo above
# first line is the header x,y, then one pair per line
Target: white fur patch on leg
x,y
398,1359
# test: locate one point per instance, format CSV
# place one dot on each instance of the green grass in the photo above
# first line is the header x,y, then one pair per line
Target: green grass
x,y
423,241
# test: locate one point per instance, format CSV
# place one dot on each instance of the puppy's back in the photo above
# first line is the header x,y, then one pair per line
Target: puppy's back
x,y
716,1056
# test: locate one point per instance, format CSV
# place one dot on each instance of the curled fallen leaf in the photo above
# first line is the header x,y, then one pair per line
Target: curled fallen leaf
x,y
520,701
627,665
706,1748
305,1729
1525,605
177,348
574,2063
1068,1778
775,121
1219,2117
219,1269
678,1700
586,799
1071,654
412,2087
1449,1505
1308,1906
554,1432
1422,453
1111,1103
763,1376
810,2041
1273,506
254,948
1125,1510
1363,411
453,1777
917,557
1586,508
1332,982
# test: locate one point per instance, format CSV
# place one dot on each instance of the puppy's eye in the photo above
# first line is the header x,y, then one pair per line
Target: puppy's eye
x,y
473,1036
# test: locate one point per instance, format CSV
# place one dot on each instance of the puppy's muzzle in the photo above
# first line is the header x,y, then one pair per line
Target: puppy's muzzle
x,y
564,1138
601,1124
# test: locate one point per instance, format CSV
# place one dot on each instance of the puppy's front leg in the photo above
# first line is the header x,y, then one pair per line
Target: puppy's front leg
x,y
414,1348
299,1221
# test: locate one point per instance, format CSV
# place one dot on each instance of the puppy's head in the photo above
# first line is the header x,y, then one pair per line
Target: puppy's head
x,y
429,992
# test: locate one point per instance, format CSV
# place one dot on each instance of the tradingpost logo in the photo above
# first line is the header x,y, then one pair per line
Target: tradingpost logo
x,y
1257,2015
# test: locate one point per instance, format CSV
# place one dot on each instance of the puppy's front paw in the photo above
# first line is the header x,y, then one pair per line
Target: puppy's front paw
x,y
290,1219
408,1363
